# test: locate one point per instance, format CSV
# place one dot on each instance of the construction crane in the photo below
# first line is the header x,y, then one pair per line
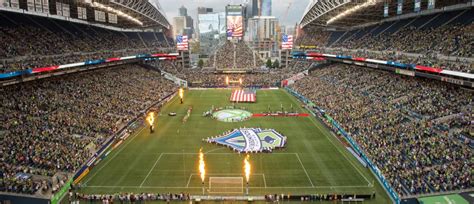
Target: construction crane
x,y
285,15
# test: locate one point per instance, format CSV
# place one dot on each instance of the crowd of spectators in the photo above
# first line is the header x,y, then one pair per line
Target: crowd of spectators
x,y
27,46
234,56
202,79
129,197
409,127
52,126
313,37
449,40
445,47
32,41
296,66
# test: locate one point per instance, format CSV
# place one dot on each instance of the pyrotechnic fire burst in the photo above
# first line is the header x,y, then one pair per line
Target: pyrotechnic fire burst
x,y
181,93
202,165
247,167
150,118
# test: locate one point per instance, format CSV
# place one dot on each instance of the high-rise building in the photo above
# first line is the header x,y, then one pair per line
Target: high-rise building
x,y
184,24
266,8
262,35
261,8
211,31
204,10
179,24
183,11
255,8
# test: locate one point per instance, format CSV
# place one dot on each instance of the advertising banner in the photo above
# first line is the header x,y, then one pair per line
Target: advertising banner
x,y
4,3
431,4
14,4
417,5
45,6
99,16
66,11
59,9
39,6
30,5
112,18
405,72
400,7
81,13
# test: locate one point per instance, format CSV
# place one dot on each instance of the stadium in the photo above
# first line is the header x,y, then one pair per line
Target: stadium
x,y
124,101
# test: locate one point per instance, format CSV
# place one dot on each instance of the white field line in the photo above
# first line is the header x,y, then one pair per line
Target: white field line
x,y
348,160
447,200
149,172
316,123
274,187
264,181
307,175
233,153
212,150
189,180
224,174
110,159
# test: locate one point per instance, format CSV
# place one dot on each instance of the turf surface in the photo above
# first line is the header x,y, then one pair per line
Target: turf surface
x,y
313,162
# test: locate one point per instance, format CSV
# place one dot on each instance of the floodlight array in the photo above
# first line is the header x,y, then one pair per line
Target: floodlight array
x,y
352,10
115,11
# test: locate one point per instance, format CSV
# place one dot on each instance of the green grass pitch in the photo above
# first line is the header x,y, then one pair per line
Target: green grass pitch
x,y
313,162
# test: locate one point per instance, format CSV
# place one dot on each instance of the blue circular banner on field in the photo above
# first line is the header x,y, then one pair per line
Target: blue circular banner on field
x,y
232,115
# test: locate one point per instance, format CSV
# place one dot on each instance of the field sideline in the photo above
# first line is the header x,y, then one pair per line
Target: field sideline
x,y
313,162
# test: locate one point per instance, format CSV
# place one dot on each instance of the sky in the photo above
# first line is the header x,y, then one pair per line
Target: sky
x,y
279,8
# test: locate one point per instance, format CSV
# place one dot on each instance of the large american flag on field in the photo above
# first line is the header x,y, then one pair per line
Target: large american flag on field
x,y
287,42
182,42
243,95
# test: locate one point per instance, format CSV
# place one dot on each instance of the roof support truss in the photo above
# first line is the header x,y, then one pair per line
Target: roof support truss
x,y
320,8
146,9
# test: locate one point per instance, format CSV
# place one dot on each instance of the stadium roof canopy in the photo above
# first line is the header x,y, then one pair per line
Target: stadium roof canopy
x,y
348,13
148,14
130,14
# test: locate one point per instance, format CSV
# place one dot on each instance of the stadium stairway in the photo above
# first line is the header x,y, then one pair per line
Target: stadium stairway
x,y
347,36
335,37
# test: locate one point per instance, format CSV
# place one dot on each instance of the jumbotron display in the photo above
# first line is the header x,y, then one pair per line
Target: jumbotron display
x,y
235,27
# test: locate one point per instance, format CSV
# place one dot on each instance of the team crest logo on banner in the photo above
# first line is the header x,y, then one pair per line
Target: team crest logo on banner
x,y
250,140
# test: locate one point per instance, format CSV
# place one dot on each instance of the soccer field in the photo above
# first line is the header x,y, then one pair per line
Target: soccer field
x,y
312,162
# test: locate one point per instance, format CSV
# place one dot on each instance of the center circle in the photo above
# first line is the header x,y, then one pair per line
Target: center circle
x,y
232,115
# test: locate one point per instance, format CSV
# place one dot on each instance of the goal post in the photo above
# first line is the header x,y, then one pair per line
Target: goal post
x,y
226,185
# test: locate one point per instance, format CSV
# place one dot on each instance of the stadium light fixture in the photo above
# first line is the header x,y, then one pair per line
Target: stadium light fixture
x,y
115,11
352,10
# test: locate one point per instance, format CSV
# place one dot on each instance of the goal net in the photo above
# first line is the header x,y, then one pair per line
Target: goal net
x,y
226,184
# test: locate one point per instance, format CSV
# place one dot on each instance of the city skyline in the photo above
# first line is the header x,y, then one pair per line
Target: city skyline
x,y
279,7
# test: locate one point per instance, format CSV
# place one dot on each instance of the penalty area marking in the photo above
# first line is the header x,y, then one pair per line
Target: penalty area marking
x,y
196,174
225,153
151,169
307,175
